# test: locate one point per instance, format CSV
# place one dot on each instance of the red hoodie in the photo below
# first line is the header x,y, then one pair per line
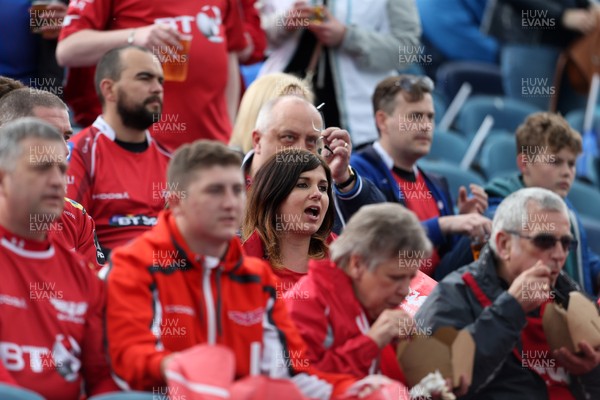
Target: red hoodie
x,y
333,323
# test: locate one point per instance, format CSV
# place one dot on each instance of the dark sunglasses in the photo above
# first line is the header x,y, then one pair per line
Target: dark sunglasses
x,y
546,241
409,83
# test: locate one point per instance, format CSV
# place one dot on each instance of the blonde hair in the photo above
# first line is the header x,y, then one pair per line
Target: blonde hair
x,y
262,90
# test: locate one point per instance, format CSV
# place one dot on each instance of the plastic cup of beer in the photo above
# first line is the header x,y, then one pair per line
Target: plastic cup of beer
x,y
175,63
37,14
477,245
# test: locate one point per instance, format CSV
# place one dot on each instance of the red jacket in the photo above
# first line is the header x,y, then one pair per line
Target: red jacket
x,y
333,323
163,298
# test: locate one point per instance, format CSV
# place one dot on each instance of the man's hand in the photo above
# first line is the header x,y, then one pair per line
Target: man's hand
x,y
330,32
298,15
340,144
51,20
459,391
155,36
474,225
389,325
579,19
245,54
478,202
578,364
164,363
532,287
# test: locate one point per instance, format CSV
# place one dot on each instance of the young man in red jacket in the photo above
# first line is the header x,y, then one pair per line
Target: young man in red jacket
x,y
187,282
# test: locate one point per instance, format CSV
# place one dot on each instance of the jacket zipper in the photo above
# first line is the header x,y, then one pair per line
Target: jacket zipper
x,y
210,307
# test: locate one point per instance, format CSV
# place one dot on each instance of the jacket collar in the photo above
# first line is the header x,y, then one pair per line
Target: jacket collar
x,y
386,158
169,236
485,272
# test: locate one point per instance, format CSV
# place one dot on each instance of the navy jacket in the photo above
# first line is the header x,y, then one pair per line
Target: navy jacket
x,y
454,250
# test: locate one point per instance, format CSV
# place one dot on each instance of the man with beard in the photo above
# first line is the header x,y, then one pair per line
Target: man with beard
x,y
117,171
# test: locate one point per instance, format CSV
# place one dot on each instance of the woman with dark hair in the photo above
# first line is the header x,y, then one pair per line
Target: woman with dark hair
x,y
290,213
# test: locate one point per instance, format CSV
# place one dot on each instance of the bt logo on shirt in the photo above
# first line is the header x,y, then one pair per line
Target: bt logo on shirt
x,y
208,20
132,220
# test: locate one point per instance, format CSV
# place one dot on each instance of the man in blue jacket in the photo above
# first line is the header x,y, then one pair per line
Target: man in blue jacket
x,y
547,148
404,116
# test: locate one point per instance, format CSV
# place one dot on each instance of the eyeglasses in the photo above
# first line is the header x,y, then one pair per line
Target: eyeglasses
x,y
546,241
410,83
321,145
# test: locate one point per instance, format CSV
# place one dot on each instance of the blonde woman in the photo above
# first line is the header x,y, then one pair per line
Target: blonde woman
x,y
258,93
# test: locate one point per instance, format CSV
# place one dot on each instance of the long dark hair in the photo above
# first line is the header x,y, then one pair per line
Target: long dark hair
x,y
272,184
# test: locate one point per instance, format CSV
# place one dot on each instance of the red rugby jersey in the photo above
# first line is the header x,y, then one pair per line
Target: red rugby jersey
x,y
76,230
51,316
194,109
123,191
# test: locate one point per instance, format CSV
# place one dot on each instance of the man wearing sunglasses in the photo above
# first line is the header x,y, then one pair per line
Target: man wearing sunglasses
x,y
547,148
500,299
404,116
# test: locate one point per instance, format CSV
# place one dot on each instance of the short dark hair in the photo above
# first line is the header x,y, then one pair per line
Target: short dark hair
x,y
413,89
21,102
547,129
193,157
272,184
110,66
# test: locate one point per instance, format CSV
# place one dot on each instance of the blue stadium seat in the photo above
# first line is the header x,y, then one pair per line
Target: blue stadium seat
x,y
8,392
508,113
592,229
447,146
455,176
585,199
485,79
440,104
575,119
499,155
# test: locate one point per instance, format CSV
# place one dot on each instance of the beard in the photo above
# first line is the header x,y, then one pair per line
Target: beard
x,y
137,116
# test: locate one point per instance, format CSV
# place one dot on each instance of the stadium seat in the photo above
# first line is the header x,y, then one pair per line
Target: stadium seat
x,y
575,119
455,176
592,166
499,155
8,392
130,396
508,113
585,199
592,229
447,146
440,105
485,79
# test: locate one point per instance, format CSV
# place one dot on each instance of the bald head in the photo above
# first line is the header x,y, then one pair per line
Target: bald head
x,y
282,123
276,108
